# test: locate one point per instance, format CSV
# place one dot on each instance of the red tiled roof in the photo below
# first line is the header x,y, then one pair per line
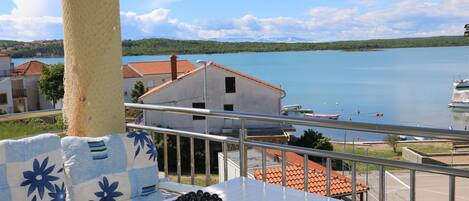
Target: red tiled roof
x,y
316,180
155,89
129,72
30,68
5,54
295,159
160,67
341,185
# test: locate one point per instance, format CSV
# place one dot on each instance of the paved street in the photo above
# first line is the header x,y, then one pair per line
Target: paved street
x,y
429,187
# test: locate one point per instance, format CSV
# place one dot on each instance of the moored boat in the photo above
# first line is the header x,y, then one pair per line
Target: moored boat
x,y
460,98
323,116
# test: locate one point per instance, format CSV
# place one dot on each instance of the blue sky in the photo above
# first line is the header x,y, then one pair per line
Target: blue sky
x,y
252,20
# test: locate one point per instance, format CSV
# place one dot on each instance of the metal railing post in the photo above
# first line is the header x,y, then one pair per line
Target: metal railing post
x,y
328,177
452,188
264,164
382,182
178,156
192,160
242,149
284,168
165,154
306,172
412,185
354,181
207,162
225,161
366,176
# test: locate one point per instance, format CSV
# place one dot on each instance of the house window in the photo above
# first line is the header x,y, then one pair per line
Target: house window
x,y
230,85
150,84
228,107
200,106
3,99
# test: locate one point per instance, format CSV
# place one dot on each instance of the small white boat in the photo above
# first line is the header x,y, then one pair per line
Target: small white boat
x,y
460,98
324,116
287,109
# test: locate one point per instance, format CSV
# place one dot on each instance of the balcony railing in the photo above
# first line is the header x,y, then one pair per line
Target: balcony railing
x,y
5,73
19,93
243,143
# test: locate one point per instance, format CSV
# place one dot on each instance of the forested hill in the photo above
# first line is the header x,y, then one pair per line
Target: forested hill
x,y
157,46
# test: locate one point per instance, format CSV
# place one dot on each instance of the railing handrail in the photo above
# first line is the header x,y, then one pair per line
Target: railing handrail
x,y
335,124
28,115
315,122
313,152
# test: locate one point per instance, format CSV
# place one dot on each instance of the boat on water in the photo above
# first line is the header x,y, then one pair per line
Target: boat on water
x,y
298,110
323,116
295,109
460,98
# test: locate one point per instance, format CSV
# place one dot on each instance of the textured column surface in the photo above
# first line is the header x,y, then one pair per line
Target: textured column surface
x,y
93,102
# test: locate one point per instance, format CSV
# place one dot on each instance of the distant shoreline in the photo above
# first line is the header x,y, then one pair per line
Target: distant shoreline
x,y
156,46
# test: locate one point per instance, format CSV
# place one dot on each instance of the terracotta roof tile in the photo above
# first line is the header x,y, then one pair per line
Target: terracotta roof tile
x,y
5,54
160,67
340,185
316,180
129,72
30,68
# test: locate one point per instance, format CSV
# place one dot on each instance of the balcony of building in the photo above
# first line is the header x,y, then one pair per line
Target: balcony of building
x,y
289,172
19,93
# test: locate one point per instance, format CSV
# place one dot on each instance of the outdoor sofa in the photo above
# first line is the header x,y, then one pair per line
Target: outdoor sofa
x,y
47,168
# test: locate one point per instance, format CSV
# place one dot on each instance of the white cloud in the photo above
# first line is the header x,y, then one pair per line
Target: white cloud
x,y
30,20
37,8
404,18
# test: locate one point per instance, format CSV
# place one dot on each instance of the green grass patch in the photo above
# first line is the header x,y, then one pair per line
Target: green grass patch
x,y
30,127
362,151
199,179
444,148
389,154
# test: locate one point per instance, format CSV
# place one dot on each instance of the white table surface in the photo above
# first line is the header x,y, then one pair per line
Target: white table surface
x,y
244,189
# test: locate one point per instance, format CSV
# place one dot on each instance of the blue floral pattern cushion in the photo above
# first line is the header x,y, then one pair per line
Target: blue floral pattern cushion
x,y
111,168
31,169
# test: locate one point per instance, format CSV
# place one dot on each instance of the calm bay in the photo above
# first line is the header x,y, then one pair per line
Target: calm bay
x,y
410,86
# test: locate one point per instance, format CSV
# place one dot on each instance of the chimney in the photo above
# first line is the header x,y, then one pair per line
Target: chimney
x,y
174,68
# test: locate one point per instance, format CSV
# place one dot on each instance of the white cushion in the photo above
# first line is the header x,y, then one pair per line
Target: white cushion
x,y
118,166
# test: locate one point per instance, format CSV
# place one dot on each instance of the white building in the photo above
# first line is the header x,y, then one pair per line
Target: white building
x,y
226,89
151,73
19,90
6,67
26,90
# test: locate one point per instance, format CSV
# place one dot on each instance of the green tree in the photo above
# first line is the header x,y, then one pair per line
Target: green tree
x,y
392,141
313,139
51,82
138,91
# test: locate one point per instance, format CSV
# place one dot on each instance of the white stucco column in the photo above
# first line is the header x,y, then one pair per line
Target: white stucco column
x,y
93,102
